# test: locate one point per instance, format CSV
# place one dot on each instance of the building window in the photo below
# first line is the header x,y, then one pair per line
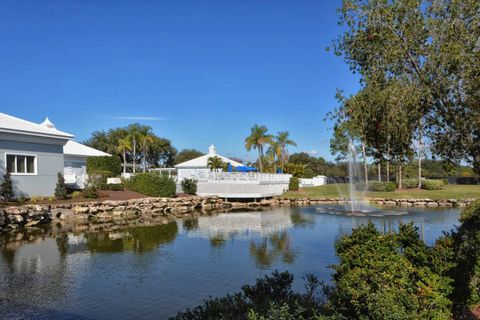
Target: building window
x,y
21,164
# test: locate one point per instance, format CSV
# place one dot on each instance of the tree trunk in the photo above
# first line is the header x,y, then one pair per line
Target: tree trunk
x,y
134,153
388,164
379,168
420,137
124,161
144,157
260,158
399,176
365,166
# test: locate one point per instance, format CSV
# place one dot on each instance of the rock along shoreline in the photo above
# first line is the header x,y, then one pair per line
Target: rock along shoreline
x,y
152,209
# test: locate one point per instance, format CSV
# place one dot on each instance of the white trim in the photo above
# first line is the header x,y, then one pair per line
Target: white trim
x,y
35,165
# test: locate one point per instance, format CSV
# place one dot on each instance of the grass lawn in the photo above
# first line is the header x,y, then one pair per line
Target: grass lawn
x,y
451,191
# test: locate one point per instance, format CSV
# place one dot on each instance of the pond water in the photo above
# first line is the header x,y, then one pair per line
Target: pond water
x,y
151,272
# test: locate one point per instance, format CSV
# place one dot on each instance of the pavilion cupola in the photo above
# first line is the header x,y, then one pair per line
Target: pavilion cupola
x,y
47,123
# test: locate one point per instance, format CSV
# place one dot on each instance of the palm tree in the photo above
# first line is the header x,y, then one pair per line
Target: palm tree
x,y
146,138
257,139
284,141
275,152
215,163
135,135
124,145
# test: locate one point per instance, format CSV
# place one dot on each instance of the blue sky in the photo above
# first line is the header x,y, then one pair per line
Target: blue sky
x,y
198,72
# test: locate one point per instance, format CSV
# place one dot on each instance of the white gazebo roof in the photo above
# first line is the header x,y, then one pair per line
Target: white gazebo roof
x,y
73,148
10,124
202,162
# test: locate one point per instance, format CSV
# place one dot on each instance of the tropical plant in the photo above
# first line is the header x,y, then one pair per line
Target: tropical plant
x,y
257,139
274,153
215,163
145,139
283,139
135,135
61,188
124,145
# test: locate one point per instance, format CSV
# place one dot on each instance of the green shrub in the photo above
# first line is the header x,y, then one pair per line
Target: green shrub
x,y
377,186
116,187
152,184
432,184
409,183
189,186
90,192
60,189
294,184
98,179
105,164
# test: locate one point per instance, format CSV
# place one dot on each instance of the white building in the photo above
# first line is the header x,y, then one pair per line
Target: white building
x,y
34,154
233,185
75,162
198,167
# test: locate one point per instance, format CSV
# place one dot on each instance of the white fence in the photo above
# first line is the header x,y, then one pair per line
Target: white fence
x,y
240,177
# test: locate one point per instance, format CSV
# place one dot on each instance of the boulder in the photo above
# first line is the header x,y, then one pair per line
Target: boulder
x,y
62,214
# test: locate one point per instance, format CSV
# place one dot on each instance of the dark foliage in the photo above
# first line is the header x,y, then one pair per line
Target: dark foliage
x,y
6,188
106,164
294,184
152,184
270,290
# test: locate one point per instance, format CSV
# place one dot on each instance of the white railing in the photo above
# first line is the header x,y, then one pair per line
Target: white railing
x,y
240,177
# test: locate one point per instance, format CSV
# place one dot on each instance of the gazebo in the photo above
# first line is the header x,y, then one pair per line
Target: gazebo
x,y
198,166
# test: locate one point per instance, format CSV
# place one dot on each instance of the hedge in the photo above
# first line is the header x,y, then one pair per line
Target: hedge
x,y
104,163
432,184
152,184
377,186
410,183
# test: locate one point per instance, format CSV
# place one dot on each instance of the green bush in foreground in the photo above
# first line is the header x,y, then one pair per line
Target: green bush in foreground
x,y
432,184
294,184
152,184
189,186
379,276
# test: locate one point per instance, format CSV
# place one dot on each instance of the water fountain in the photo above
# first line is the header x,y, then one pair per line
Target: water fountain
x,y
356,205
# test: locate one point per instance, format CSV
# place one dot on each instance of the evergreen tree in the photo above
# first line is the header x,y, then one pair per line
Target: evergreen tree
x,y
6,188
60,189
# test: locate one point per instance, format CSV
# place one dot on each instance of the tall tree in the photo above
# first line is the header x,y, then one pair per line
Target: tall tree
x,y
257,139
146,138
283,139
135,135
275,153
432,45
123,146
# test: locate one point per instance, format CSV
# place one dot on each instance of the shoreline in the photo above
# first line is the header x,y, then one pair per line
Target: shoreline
x,y
146,210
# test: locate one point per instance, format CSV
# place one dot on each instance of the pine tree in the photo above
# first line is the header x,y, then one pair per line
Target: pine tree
x,y
61,189
6,188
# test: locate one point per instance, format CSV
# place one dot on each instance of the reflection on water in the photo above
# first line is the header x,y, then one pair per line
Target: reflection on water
x,y
152,271
268,250
137,239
